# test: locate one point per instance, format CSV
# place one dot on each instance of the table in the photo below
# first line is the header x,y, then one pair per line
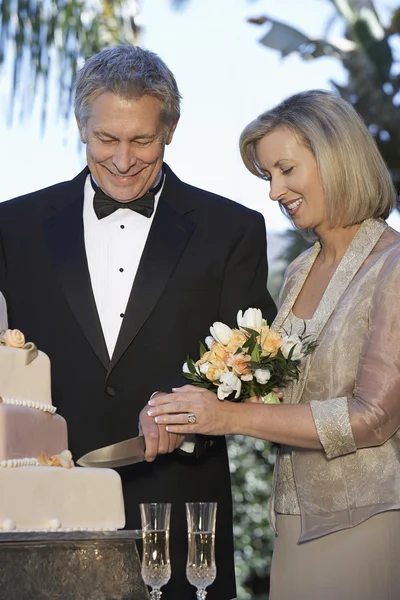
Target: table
x,y
70,566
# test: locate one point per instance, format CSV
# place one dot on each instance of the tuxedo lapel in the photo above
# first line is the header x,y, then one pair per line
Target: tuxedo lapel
x,y
169,234
65,241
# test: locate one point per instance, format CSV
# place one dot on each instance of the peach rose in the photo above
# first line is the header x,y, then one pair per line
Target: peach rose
x,y
215,370
239,363
237,340
64,459
263,332
218,353
270,341
205,358
13,338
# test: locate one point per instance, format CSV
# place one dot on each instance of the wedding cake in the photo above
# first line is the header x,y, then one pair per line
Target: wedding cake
x,y
41,489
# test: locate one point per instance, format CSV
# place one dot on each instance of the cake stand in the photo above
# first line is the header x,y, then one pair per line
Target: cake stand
x,y
71,566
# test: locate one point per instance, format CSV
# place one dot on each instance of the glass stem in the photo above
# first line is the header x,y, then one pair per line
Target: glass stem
x,y
155,594
201,594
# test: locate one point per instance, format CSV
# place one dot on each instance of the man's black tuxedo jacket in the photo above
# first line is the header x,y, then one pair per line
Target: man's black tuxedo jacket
x,y
205,258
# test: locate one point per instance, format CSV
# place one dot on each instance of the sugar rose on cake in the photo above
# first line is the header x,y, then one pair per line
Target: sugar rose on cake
x,y
64,459
14,338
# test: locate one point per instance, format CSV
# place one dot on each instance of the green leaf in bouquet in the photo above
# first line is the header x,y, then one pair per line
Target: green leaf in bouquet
x,y
190,376
203,349
204,383
255,353
310,348
252,332
191,366
255,364
252,339
248,343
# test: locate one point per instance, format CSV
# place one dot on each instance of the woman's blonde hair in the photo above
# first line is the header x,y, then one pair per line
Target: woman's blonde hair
x,y
355,179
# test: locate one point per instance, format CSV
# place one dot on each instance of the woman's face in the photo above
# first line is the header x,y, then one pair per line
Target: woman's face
x,y
294,178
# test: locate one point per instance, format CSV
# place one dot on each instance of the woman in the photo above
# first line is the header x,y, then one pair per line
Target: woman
x,y
337,485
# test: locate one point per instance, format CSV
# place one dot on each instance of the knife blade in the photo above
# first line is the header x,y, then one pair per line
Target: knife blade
x,y
121,454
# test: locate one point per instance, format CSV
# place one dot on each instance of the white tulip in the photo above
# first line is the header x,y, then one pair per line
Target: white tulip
x,y
204,368
289,342
185,368
251,318
208,341
221,332
262,375
229,383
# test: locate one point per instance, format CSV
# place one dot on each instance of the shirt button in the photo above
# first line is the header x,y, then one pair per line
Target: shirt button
x,y
122,226
111,391
122,315
121,270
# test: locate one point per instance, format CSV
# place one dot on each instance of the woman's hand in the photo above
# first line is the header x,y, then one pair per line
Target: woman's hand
x,y
190,409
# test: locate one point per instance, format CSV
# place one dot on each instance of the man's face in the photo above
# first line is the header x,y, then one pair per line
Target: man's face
x,y
125,142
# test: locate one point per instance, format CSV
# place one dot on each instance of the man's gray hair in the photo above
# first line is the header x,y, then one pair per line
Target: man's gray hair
x,y
131,73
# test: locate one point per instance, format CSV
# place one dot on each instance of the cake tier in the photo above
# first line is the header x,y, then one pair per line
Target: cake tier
x,y
21,381
53,498
27,432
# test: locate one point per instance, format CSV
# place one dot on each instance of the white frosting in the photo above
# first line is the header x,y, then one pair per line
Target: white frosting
x,y
18,379
56,499
31,404
8,525
19,462
37,498
61,529
54,524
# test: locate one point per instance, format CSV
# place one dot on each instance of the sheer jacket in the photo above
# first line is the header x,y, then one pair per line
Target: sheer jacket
x,y
352,383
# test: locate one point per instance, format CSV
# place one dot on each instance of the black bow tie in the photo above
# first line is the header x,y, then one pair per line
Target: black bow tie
x,y
104,205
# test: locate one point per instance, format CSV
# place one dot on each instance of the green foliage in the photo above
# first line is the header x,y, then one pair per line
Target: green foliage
x,y
296,244
251,462
373,85
64,31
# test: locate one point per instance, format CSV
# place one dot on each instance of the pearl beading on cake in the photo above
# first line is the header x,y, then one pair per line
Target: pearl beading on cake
x,y
19,462
53,525
30,404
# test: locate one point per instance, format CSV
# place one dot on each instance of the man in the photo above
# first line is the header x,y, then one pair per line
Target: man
x,y
118,298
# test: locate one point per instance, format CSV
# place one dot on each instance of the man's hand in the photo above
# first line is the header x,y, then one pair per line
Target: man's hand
x,y
157,439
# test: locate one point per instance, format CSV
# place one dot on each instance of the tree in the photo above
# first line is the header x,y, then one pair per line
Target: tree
x,y
38,34
373,85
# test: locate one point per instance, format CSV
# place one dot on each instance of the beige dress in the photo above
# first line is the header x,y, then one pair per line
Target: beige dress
x,y
336,511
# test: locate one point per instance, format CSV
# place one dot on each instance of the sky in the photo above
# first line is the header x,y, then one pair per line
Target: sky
x,y
226,78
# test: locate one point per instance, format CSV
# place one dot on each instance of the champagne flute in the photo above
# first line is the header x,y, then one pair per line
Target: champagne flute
x,y
200,567
156,566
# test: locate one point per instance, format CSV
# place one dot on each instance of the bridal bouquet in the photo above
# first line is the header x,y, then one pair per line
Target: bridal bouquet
x,y
248,361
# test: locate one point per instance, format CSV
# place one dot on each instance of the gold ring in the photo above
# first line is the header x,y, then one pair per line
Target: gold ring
x,y
192,419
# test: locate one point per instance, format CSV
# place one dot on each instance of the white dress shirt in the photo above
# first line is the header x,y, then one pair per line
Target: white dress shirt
x,y
114,246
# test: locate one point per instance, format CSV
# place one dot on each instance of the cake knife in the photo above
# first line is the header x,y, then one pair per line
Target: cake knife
x,y
120,454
